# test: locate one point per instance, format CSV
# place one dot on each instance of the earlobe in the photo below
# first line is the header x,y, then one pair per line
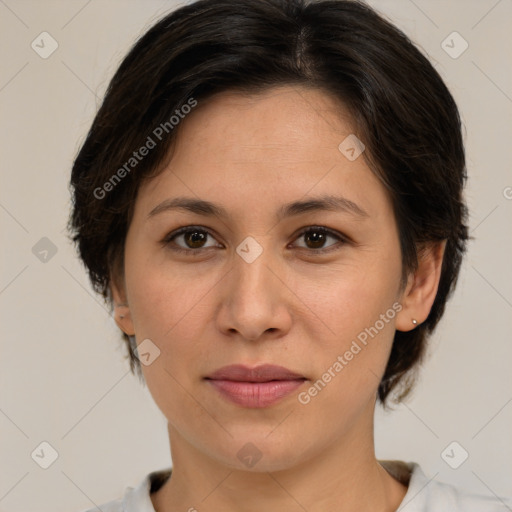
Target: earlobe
x,y
122,314
421,289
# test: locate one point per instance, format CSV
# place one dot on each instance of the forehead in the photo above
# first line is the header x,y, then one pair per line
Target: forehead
x,y
288,120
275,146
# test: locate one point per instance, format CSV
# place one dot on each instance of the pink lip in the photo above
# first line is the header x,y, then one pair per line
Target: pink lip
x,y
256,387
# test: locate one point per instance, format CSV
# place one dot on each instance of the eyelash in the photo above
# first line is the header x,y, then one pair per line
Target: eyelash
x,y
166,242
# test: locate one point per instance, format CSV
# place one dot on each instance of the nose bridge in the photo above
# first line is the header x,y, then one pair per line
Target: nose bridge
x,y
253,300
251,268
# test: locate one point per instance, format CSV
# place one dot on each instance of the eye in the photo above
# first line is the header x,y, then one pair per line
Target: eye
x,y
316,237
195,237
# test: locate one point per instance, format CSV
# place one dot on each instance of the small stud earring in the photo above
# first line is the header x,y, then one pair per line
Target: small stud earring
x,y
413,321
121,306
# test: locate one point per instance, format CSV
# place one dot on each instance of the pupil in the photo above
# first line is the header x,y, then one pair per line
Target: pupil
x,y
196,236
317,240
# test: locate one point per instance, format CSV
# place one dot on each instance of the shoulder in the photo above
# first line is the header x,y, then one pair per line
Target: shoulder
x,y
442,494
429,495
111,506
138,498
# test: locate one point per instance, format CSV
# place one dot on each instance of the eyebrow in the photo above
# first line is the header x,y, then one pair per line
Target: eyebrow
x,y
209,209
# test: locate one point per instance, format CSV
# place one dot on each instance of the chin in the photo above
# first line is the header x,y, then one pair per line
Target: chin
x,y
262,452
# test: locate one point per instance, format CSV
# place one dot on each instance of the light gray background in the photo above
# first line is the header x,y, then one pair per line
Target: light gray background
x,y
64,379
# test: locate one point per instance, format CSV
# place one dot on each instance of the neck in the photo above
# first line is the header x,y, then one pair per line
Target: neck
x,y
344,476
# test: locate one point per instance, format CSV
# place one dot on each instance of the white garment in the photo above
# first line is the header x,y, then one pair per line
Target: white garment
x,y
423,494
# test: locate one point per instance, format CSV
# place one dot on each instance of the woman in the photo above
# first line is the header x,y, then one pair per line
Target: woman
x,y
271,200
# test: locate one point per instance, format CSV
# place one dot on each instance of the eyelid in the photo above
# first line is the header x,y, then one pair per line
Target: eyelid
x,y
180,231
344,239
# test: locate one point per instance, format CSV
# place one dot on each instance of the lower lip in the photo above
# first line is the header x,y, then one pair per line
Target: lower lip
x,y
256,394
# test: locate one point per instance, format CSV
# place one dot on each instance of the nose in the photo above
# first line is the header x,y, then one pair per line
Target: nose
x,y
255,302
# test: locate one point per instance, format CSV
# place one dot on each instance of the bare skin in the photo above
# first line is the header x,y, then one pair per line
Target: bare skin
x,y
292,306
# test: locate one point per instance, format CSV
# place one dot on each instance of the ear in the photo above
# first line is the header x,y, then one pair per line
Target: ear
x,y
421,289
122,314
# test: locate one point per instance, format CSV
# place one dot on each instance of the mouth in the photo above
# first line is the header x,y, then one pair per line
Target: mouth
x,y
257,387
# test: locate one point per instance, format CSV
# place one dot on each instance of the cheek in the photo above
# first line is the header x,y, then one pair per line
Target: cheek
x,y
169,309
166,298
172,308
357,309
351,298
349,369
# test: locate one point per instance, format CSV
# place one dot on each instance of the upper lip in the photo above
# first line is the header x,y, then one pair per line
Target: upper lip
x,y
261,373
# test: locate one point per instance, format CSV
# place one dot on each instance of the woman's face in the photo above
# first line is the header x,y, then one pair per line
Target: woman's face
x,y
255,289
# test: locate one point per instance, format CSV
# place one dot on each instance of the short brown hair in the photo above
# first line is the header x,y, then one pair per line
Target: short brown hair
x,y
403,112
